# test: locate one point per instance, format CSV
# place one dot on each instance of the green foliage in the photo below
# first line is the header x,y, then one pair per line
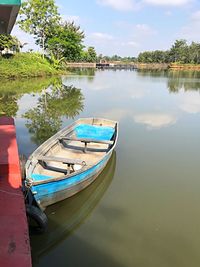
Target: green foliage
x,y
26,65
62,39
180,52
157,56
56,62
39,17
116,58
66,41
8,41
89,55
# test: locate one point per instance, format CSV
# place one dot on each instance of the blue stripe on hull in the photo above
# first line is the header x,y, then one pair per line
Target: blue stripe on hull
x,y
48,190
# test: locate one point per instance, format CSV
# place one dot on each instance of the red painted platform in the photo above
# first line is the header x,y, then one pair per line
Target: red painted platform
x,y
14,237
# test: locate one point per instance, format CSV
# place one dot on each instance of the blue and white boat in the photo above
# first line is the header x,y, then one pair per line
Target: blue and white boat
x,y
70,160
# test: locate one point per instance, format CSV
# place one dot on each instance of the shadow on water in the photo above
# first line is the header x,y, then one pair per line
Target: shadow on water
x,y
66,216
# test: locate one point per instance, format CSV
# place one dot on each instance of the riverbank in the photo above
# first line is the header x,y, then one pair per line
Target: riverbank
x,y
176,66
26,65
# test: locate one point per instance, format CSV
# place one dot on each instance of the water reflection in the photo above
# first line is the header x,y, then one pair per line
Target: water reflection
x,y
8,104
12,91
155,120
84,72
152,73
176,80
190,103
185,80
66,216
45,119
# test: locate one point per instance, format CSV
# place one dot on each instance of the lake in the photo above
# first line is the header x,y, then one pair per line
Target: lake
x,y
144,209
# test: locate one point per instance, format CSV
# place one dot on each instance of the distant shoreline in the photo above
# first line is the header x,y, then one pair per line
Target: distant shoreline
x,y
140,66
28,65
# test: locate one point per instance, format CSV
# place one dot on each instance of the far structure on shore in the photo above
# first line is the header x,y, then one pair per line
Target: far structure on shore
x,y
8,13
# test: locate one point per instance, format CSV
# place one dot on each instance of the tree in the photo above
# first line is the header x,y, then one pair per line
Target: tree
x,y
66,41
92,55
89,55
8,41
39,18
179,52
194,53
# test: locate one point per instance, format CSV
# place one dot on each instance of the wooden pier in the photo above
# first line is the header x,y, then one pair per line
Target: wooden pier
x,y
119,66
14,236
84,65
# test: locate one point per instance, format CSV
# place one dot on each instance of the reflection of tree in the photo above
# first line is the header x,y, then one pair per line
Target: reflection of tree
x,y
154,73
176,80
82,72
45,119
8,104
12,91
186,80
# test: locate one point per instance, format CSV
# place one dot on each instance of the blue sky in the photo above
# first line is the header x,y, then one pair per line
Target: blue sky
x,y
127,27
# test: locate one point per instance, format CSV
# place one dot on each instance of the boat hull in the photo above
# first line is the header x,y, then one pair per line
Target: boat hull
x,y
50,193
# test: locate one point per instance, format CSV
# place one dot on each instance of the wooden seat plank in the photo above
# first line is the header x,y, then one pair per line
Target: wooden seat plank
x,y
87,140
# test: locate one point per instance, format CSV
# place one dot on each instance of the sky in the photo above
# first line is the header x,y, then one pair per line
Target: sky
x,y
128,27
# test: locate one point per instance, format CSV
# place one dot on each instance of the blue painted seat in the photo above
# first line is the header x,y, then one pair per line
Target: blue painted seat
x,y
94,132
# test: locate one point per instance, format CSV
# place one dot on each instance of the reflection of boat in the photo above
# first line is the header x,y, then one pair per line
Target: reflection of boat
x,y
65,216
70,160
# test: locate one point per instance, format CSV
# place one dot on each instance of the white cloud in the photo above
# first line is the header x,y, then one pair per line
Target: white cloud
x,y
145,29
196,16
168,13
155,120
190,31
128,5
167,2
100,36
71,18
123,5
129,43
115,114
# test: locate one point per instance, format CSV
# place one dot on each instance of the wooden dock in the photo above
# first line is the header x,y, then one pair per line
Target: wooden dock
x,y
14,236
119,66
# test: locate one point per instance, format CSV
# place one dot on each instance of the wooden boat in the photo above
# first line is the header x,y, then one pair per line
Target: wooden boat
x,y
70,160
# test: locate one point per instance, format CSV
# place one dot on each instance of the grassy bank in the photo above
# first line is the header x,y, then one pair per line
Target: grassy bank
x,y
26,65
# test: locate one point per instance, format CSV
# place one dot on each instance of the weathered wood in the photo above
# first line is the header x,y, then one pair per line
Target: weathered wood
x,y
87,140
63,160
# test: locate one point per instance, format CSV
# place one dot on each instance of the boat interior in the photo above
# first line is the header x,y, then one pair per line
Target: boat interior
x,y
81,147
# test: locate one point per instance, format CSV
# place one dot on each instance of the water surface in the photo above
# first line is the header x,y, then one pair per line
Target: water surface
x,y
145,208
